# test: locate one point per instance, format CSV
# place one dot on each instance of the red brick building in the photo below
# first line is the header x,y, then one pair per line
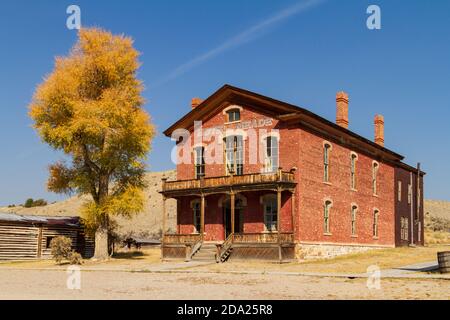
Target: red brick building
x,y
261,178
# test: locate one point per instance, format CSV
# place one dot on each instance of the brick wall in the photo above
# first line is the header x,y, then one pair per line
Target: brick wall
x,y
313,191
403,207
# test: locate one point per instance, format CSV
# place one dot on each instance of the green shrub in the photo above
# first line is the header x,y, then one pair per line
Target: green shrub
x,y
28,203
61,249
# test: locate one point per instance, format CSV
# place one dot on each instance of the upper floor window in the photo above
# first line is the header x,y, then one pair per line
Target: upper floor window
x,y
353,216
234,115
375,167
271,161
234,155
270,212
326,162
199,162
326,216
399,191
353,158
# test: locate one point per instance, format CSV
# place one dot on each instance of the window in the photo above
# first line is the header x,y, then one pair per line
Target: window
x,y
375,167
353,213
326,216
48,242
404,231
197,212
326,162
376,215
409,193
271,163
399,191
234,115
353,158
234,155
270,213
199,162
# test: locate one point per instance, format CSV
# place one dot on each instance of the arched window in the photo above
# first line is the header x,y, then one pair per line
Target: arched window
x,y
234,155
199,162
353,216
375,167
270,212
271,163
326,162
353,158
234,115
376,215
326,216
196,214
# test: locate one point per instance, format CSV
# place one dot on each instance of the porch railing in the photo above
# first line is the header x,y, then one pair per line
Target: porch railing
x,y
263,238
181,238
246,179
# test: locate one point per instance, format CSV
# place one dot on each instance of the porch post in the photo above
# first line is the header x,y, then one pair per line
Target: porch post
x,y
232,197
164,218
164,210
202,217
293,211
280,256
279,210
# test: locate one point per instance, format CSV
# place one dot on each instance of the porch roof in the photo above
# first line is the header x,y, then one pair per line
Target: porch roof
x,y
224,184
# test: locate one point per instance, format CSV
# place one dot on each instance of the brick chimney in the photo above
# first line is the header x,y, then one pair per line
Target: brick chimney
x,y
379,129
196,102
342,109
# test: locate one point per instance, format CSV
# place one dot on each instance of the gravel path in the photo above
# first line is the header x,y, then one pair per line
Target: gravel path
x,y
51,284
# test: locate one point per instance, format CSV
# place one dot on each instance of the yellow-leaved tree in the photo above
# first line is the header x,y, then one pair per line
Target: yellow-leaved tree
x,y
91,108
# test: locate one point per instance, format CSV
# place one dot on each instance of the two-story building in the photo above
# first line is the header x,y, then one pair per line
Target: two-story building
x,y
259,178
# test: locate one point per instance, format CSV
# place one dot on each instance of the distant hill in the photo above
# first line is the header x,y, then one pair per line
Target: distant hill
x,y
438,208
145,224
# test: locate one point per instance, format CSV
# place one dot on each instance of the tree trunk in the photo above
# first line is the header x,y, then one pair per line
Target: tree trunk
x,y
101,243
102,232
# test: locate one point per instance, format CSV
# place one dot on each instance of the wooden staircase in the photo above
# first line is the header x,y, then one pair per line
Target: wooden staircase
x,y
207,252
226,249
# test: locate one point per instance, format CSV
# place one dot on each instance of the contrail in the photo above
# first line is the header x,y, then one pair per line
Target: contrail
x,y
246,36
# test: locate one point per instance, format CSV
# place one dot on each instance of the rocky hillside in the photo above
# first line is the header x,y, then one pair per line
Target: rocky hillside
x,y
146,224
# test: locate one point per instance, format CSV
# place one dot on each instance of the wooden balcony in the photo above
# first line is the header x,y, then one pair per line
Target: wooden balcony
x,y
246,182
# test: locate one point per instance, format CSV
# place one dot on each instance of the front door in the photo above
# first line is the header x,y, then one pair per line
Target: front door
x,y
227,219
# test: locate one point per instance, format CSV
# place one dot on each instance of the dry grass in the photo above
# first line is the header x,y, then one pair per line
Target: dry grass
x,y
352,263
122,260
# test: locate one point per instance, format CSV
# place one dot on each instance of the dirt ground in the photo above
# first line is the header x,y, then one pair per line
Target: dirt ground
x,y
51,284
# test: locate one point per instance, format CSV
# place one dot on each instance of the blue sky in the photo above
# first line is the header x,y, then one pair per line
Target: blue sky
x,y
276,48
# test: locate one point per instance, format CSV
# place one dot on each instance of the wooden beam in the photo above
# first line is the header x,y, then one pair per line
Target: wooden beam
x,y
202,216
164,217
279,223
232,200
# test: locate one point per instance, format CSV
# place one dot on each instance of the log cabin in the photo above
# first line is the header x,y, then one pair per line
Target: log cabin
x,y
258,178
28,237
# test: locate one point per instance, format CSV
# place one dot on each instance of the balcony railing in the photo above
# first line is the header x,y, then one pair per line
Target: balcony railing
x,y
232,180
181,238
263,238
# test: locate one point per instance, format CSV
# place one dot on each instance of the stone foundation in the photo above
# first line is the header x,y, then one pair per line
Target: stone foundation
x,y
326,251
